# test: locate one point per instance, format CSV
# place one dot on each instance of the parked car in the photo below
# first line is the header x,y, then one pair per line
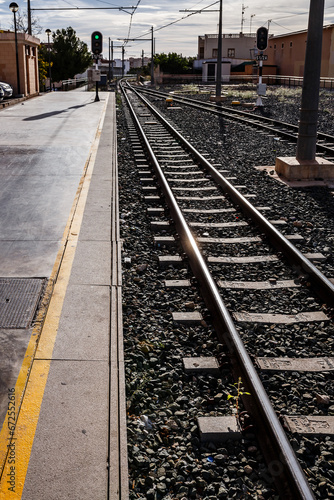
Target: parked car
x,y
7,89
1,94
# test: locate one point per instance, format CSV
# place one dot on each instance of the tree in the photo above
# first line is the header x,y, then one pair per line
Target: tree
x,y
174,63
43,65
22,24
69,55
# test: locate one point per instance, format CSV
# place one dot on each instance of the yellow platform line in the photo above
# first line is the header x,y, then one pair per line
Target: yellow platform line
x,y
16,444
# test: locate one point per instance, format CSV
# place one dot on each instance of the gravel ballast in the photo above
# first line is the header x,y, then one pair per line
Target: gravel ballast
x,y
166,458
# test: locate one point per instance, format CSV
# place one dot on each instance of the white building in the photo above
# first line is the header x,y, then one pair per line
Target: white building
x,y
234,46
237,49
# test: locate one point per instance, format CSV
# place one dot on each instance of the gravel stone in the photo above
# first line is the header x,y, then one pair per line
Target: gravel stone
x,y
154,347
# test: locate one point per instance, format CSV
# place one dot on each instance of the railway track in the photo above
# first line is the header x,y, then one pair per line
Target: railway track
x,y
236,257
284,130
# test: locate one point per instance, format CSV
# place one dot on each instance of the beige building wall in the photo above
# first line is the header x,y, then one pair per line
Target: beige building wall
x,y
288,53
234,46
28,62
285,52
327,60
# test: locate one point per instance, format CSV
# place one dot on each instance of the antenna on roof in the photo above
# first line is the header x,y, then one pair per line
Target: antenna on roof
x,y
242,18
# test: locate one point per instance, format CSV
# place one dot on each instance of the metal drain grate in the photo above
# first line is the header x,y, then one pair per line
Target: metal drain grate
x,y
18,301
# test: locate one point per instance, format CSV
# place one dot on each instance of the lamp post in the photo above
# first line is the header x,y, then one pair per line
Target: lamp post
x,y
29,17
14,8
250,24
48,32
109,63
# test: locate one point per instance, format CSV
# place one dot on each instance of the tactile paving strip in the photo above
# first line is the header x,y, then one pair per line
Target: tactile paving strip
x,y
18,301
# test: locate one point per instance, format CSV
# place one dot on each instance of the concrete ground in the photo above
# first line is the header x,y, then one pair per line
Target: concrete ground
x,y
55,205
44,146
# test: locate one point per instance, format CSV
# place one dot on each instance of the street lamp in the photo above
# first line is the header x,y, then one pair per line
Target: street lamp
x,y
14,8
48,32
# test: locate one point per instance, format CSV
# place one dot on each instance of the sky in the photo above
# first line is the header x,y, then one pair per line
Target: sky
x,y
174,30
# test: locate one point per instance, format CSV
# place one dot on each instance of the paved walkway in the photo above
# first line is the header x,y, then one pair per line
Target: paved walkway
x,y
62,225
45,143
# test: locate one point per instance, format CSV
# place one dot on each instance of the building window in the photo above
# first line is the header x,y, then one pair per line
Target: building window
x,y
282,45
275,46
214,52
290,44
230,52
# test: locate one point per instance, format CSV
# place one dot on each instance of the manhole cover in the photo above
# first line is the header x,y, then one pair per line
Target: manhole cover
x,y
18,301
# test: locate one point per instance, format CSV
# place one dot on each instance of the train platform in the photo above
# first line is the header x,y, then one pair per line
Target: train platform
x,y
60,300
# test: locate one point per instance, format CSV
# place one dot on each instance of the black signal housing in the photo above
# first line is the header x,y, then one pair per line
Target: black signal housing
x,y
97,43
262,38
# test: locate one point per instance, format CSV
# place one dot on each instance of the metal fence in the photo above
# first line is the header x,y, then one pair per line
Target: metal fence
x,y
283,81
73,83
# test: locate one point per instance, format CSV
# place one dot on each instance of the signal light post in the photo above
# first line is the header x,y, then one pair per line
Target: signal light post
x,y
261,44
97,48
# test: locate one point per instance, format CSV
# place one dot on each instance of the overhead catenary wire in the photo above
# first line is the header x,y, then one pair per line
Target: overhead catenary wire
x,y
207,7
130,24
69,3
177,20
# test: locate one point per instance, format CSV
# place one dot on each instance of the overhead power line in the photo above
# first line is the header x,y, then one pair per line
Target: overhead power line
x,y
178,20
84,8
130,24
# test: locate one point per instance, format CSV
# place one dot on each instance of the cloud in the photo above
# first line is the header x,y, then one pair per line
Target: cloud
x,y
181,37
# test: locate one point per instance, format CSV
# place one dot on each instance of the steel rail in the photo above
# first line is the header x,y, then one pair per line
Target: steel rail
x,y
289,477
249,120
323,285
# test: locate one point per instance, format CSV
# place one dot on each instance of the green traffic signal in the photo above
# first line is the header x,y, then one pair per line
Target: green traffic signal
x,y
97,43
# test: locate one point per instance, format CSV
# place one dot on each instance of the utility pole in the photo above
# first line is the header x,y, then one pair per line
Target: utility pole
x,y
307,133
112,58
123,50
306,166
152,57
219,52
142,58
152,50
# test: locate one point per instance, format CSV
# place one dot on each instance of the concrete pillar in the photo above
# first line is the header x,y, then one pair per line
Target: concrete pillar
x,y
307,134
306,166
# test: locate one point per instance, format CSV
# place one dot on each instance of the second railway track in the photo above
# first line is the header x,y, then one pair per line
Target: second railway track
x,y
238,264
285,130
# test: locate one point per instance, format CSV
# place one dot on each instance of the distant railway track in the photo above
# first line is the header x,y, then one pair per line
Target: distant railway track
x,y
202,200
287,131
